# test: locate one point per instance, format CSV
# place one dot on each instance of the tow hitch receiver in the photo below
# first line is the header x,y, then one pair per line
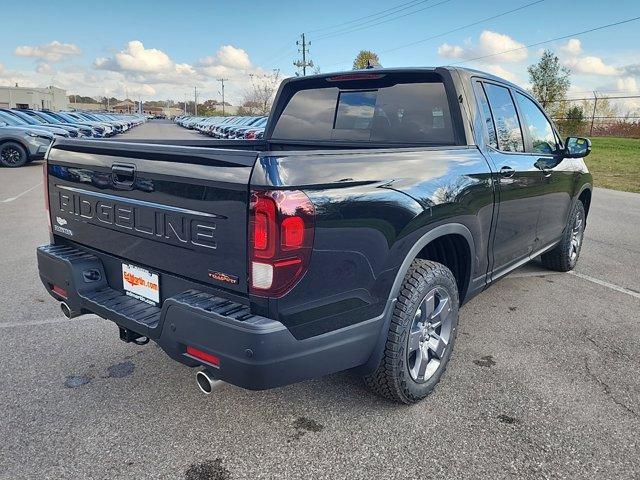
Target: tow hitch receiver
x,y
130,336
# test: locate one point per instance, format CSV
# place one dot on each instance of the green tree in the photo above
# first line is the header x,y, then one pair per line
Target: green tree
x,y
364,58
550,82
573,122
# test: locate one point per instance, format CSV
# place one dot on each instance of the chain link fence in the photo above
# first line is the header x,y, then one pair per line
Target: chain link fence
x,y
598,115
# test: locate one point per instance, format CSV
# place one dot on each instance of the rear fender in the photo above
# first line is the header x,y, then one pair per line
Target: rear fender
x,y
431,235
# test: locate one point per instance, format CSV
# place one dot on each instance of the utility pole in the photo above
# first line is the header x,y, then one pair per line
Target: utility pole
x,y
593,116
222,80
304,50
195,100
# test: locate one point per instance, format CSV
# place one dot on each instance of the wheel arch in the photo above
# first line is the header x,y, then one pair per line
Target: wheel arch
x,y
15,140
414,252
584,196
418,250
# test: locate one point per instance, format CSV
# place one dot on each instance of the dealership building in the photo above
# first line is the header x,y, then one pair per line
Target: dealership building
x,y
48,98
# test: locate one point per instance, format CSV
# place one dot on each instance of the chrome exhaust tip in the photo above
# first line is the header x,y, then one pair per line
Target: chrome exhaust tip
x,y
67,312
207,383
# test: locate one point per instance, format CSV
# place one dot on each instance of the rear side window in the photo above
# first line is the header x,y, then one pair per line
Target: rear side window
x,y
505,117
400,113
487,118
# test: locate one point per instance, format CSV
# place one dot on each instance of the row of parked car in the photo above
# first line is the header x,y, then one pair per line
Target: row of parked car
x,y
239,127
26,134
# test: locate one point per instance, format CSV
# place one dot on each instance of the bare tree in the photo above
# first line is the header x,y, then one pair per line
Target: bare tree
x,y
259,97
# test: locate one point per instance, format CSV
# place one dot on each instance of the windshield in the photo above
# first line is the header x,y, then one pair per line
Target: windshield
x,y
67,118
11,120
24,117
47,117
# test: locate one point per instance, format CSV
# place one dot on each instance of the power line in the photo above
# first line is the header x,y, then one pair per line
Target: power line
x,y
356,20
600,91
591,98
563,37
286,48
432,37
351,30
473,24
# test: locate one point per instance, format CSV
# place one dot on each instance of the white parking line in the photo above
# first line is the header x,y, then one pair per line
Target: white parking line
x,y
611,286
21,194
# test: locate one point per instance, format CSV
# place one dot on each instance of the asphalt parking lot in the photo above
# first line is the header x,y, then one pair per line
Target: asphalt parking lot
x,y
544,381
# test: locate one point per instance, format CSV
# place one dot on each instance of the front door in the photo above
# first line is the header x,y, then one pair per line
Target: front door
x,y
558,175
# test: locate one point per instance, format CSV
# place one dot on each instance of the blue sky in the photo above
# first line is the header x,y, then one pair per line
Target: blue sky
x,y
161,49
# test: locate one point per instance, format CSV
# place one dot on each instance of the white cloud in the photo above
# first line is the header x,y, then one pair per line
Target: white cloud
x,y
136,58
627,84
572,47
500,71
51,52
12,77
229,56
144,72
44,68
590,65
571,56
450,51
489,43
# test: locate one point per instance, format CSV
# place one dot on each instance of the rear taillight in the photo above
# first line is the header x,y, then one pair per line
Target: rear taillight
x,y
45,182
281,227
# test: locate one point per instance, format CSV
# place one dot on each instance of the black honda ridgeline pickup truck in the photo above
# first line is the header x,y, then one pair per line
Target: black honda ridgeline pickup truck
x,y
377,203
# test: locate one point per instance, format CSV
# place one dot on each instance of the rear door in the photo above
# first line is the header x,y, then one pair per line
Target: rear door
x,y
175,209
520,182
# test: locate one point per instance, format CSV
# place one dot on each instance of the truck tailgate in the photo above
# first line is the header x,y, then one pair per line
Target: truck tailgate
x,y
163,208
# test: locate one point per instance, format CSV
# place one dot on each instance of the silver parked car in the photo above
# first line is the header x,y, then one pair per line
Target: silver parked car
x,y
19,146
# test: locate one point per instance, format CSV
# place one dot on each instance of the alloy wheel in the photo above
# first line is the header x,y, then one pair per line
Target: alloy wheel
x,y
577,233
11,155
430,335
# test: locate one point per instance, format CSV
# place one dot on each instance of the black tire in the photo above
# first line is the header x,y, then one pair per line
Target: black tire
x,y
13,155
564,256
394,378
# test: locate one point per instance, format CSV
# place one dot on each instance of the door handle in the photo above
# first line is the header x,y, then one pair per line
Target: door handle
x,y
507,172
545,167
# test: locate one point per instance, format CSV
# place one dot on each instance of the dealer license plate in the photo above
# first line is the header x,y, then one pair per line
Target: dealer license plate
x,y
140,283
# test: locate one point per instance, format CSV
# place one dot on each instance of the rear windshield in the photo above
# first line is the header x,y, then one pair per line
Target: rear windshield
x,y
394,112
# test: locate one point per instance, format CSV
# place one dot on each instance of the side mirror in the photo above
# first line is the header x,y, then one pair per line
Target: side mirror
x,y
576,147
3,124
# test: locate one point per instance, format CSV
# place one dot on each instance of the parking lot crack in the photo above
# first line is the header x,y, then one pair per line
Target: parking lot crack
x,y
607,390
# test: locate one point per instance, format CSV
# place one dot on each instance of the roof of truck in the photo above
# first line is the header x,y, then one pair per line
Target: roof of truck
x,y
468,72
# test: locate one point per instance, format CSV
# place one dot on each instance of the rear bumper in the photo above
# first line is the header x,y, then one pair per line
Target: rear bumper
x,y
255,352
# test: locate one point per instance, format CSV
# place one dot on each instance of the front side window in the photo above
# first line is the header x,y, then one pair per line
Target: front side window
x,y
542,137
506,118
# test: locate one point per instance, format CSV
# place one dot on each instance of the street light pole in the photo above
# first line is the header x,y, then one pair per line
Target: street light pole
x,y
195,100
222,80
